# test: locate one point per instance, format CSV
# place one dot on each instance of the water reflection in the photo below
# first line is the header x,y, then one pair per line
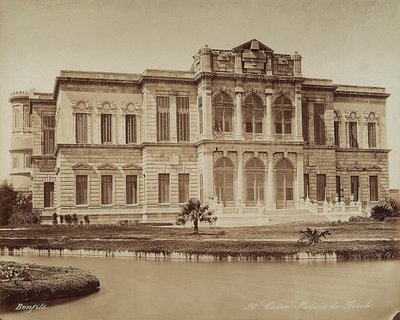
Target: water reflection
x,y
305,289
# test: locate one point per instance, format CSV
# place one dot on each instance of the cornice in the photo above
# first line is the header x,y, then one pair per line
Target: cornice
x,y
381,95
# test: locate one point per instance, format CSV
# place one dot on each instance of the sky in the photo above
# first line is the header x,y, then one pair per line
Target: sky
x,y
348,41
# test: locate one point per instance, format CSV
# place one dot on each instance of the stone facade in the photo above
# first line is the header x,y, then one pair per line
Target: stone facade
x,y
242,126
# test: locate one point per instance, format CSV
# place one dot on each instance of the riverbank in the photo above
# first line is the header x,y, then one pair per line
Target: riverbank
x,y
372,240
30,282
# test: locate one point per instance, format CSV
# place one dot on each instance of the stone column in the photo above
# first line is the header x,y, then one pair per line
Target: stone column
x,y
172,115
298,116
239,187
270,204
239,126
267,121
300,179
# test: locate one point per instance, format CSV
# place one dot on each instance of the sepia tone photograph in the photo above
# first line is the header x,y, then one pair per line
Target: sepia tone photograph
x,y
199,159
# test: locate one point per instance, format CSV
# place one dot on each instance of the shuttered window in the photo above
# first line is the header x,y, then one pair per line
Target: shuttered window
x,y
106,189
106,128
81,127
49,194
183,187
371,135
306,188
253,112
222,112
163,188
304,110
81,189
319,124
336,132
338,188
48,134
355,186
162,119
373,188
182,118
131,189
353,135
321,187
130,128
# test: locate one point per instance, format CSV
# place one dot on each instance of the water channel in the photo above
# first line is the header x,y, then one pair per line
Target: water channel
x,y
309,289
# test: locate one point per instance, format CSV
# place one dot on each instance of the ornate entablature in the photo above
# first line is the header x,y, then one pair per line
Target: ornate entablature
x,y
106,107
371,117
131,108
81,107
351,115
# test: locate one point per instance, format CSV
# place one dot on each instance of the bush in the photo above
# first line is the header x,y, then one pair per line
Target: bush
x,y
396,207
8,200
382,211
86,218
310,236
61,219
74,219
55,215
360,219
68,219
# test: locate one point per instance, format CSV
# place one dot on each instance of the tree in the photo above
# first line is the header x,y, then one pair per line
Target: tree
x,y
310,236
23,212
195,211
8,200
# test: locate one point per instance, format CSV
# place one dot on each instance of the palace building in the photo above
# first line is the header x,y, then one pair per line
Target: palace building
x,y
242,126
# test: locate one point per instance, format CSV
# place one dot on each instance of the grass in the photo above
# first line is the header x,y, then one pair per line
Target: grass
x,y
375,239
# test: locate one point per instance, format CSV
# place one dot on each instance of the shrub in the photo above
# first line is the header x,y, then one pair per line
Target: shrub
x,y
310,236
382,211
68,219
8,199
55,218
86,218
61,219
396,207
360,219
74,219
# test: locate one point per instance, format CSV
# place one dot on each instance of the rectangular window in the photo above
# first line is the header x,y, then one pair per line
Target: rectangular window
x,y
106,189
81,127
200,106
163,188
15,162
183,187
130,128
182,118
321,187
336,132
28,161
49,194
287,116
304,110
48,134
353,135
355,186
371,135
373,188
338,188
319,124
106,128
306,190
131,189
162,119
81,189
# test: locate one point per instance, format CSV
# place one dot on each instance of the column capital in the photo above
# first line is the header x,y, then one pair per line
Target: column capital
x,y
269,91
239,90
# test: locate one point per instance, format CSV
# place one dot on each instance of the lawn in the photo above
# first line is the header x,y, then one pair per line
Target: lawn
x,y
369,240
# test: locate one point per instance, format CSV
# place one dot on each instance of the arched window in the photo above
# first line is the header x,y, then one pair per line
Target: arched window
x,y
284,184
222,112
224,178
16,118
283,115
253,111
255,172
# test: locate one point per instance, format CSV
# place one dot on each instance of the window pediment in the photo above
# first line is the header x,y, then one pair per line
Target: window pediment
x,y
82,166
374,167
107,166
132,166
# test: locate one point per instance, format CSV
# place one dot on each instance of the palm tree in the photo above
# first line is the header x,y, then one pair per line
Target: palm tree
x,y
315,235
382,211
195,211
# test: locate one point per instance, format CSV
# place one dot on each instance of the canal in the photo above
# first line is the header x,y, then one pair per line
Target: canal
x,y
306,289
